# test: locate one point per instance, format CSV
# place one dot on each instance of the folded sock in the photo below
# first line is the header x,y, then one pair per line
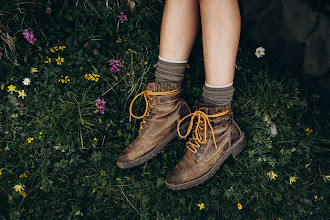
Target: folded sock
x,y
170,70
218,95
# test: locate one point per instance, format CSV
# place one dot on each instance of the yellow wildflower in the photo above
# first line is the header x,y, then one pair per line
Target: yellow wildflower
x,y
292,179
49,60
308,131
271,175
52,50
2,86
23,176
239,206
60,60
11,89
23,194
188,66
1,171
64,80
326,178
119,40
62,47
29,140
40,135
146,63
21,94
307,165
18,188
56,48
201,206
34,70
315,197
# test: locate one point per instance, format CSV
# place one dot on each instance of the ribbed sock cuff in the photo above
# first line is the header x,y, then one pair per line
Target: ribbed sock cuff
x,y
218,96
170,71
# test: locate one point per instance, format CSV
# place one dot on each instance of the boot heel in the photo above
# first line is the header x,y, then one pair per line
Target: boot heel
x,y
183,130
239,148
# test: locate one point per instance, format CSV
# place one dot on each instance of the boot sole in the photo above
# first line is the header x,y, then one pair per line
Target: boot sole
x,y
234,150
158,148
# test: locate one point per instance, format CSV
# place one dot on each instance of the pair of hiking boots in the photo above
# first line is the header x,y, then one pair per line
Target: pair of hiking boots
x,y
215,135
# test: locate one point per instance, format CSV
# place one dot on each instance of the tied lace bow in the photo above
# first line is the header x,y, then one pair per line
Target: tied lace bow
x,y
197,137
147,97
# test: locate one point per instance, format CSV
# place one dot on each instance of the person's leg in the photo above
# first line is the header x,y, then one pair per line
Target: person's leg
x,y
178,33
221,25
164,107
216,135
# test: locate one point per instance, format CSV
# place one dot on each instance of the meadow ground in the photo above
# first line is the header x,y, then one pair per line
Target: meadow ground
x,y
58,154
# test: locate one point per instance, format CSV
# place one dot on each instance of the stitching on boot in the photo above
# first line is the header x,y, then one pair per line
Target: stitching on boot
x,y
164,126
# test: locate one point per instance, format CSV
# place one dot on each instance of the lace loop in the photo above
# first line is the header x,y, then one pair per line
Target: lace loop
x,y
197,137
147,98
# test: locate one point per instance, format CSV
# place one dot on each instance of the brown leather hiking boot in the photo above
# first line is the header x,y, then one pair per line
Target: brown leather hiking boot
x,y
164,109
216,136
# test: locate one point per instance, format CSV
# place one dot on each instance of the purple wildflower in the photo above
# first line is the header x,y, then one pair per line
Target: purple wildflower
x,y
122,17
100,104
114,65
29,36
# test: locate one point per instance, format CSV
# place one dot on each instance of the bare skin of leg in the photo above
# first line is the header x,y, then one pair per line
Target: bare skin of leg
x,y
221,26
179,29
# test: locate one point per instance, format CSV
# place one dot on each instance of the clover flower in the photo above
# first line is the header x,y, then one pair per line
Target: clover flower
x,y
271,175
26,81
260,51
29,36
122,17
100,104
114,65
201,206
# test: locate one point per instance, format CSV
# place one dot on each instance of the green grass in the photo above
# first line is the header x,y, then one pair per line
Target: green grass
x,y
71,175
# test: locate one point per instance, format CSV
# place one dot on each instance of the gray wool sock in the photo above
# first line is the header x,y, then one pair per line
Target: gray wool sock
x,y
218,96
170,71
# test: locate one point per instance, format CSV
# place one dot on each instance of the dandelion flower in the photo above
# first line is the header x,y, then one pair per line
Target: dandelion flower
x,y
18,188
26,81
11,89
271,175
21,94
201,206
260,51
239,206
292,179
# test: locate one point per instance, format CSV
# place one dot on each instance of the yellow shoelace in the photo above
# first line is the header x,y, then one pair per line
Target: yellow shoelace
x,y
147,94
197,137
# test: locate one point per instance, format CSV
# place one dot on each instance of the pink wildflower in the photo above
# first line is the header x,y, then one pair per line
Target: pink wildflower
x,y
114,65
122,17
100,104
29,36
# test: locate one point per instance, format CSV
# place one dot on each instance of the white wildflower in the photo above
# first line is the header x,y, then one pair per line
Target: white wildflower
x,y
260,51
26,81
